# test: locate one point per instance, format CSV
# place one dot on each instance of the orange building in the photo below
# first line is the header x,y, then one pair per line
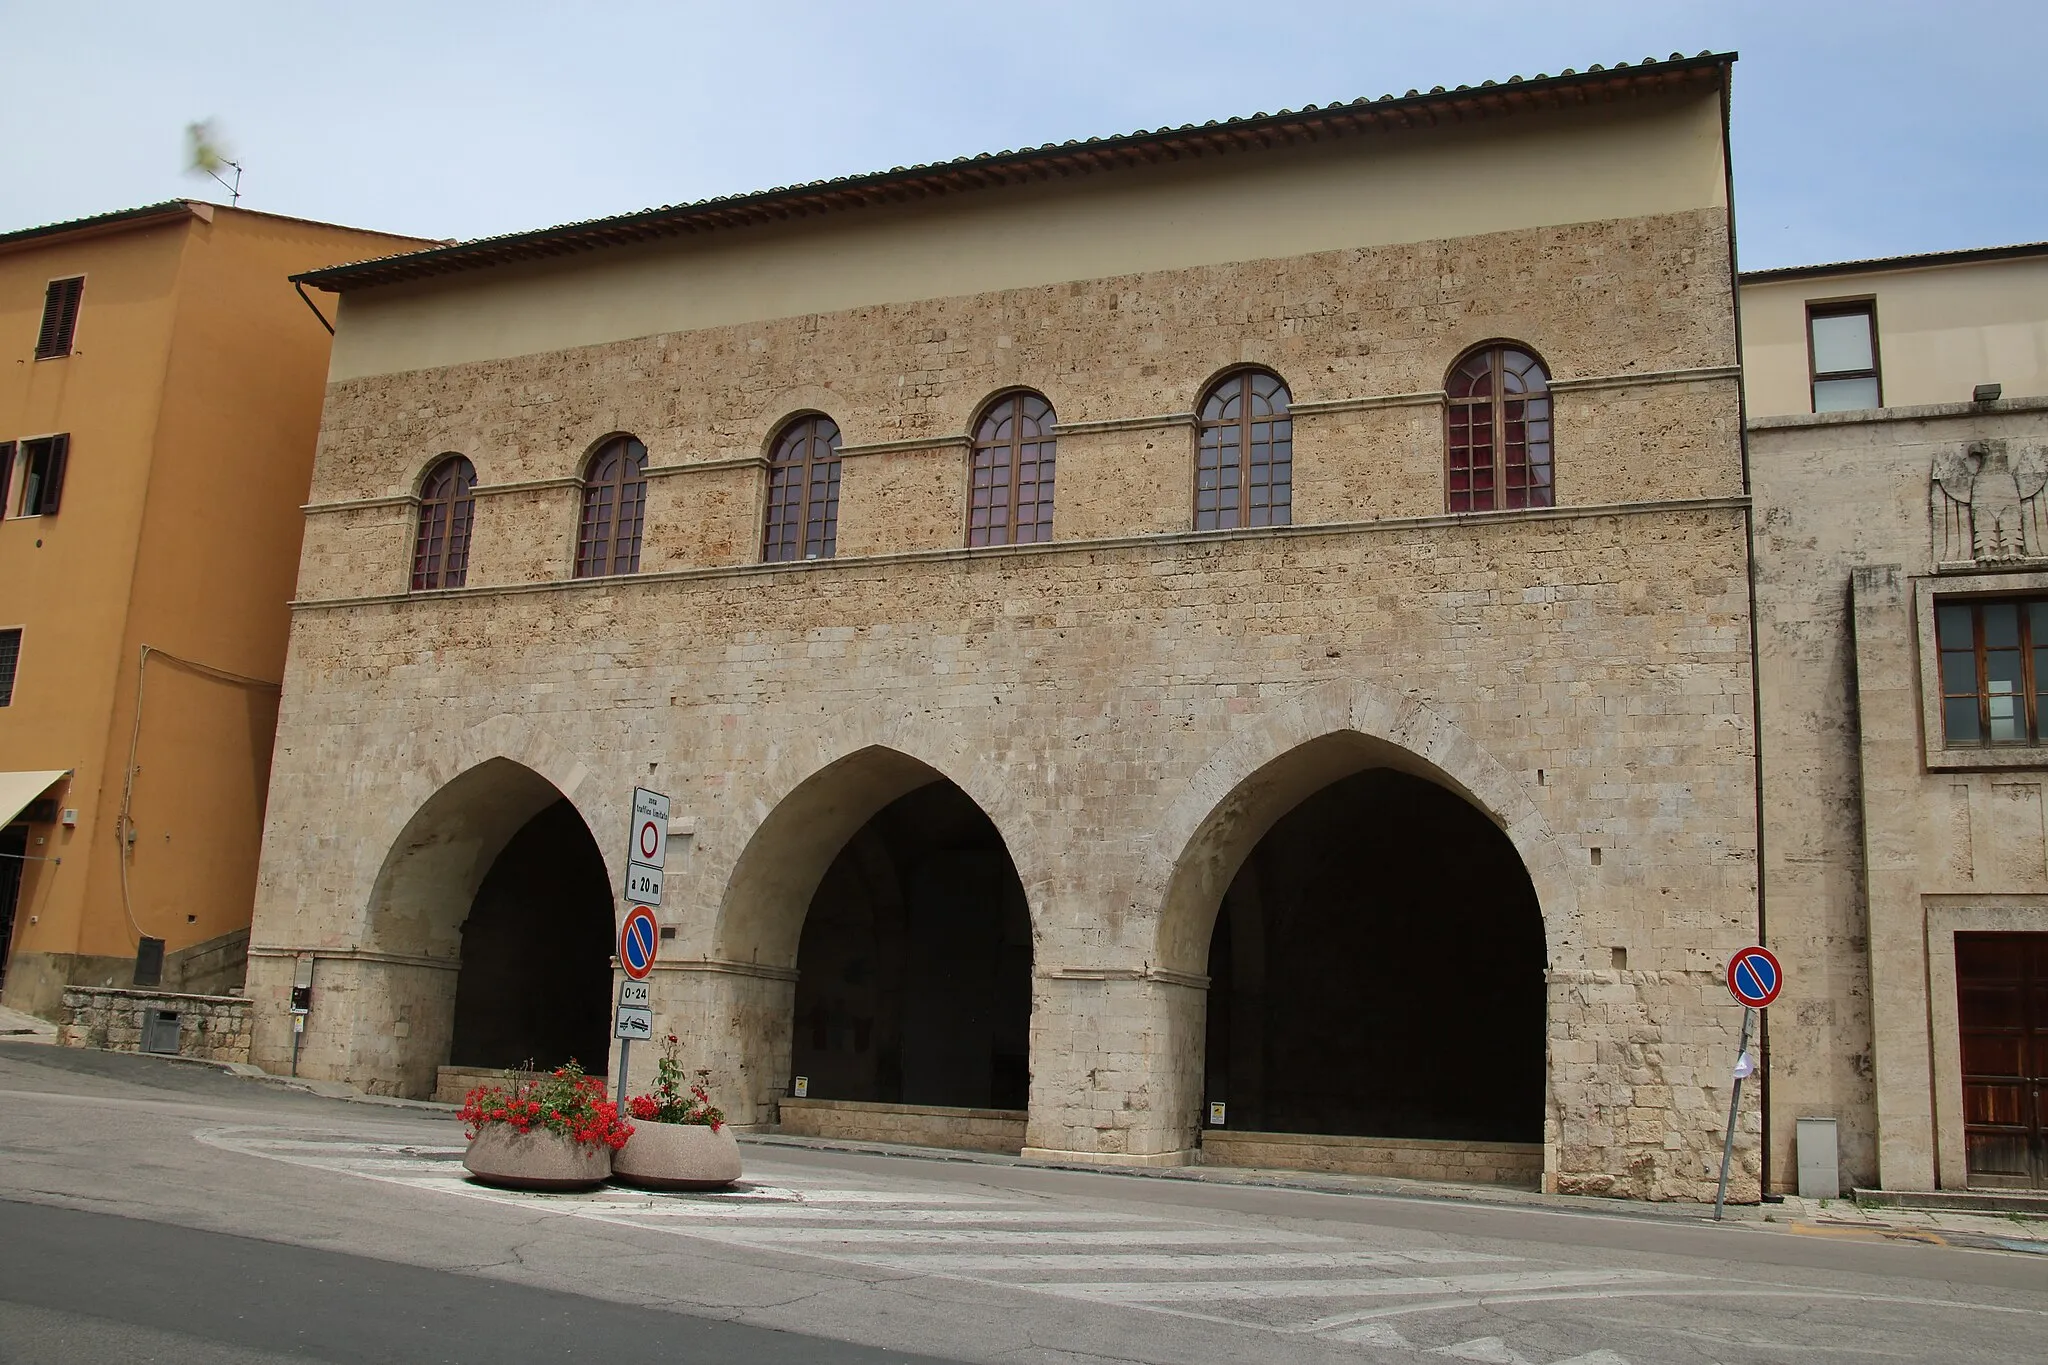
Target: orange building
x,y
160,391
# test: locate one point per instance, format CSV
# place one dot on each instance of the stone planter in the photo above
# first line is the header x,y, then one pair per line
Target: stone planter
x,y
678,1156
539,1160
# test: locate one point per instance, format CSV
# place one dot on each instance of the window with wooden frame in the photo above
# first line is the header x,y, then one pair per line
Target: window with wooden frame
x,y
1009,495
1841,348
614,508
40,466
1497,437
7,455
1244,453
440,555
60,317
10,660
1994,669
803,492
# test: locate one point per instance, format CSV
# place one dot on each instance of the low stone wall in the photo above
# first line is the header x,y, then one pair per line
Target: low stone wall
x,y
451,1083
1471,1163
211,1028
916,1125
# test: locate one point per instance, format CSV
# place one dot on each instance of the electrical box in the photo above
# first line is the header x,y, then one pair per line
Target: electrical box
x,y
69,816
302,999
1820,1160
149,962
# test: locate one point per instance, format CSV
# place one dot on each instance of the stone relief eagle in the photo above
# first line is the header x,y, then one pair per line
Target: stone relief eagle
x,y
1986,504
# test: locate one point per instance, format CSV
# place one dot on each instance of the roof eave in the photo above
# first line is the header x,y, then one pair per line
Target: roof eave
x,y
101,225
1490,100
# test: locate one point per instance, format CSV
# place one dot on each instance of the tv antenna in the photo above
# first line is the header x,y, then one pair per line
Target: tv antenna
x,y
205,151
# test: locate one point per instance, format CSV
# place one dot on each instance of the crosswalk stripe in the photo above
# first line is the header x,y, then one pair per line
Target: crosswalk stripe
x,y
1022,1236
1191,1261
1212,1290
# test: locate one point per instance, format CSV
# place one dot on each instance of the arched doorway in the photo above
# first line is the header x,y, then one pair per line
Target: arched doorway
x,y
536,953
496,905
914,969
880,918
1375,954
1376,970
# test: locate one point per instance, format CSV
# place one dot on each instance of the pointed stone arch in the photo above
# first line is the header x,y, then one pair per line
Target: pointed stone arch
x,y
1304,743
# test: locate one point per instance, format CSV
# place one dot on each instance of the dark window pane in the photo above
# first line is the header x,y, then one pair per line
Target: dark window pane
x,y
2001,625
1959,721
1952,627
1959,674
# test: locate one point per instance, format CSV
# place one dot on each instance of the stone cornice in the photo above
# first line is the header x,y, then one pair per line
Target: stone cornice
x,y
1927,412
961,554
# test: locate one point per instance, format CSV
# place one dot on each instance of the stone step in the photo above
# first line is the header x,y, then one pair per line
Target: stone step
x,y
1958,1201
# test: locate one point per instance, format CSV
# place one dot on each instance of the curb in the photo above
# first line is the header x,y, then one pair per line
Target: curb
x,y
1311,1182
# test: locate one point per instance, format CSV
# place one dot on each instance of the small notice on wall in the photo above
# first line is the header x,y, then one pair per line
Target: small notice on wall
x,y
800,1089
1216,1113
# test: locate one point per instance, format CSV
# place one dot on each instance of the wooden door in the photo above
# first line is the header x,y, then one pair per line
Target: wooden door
x,y
2002,989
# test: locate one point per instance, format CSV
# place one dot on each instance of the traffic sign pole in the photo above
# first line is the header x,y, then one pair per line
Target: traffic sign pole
x,y
1734,1104
1754,978
626,1051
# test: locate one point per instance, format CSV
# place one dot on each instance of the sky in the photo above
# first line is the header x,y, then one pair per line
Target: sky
x,y
1869,129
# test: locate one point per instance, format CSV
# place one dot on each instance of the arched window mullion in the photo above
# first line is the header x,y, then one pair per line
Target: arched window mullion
x,y
1255,485
1498,440
998,512
614,502
802,519
441,539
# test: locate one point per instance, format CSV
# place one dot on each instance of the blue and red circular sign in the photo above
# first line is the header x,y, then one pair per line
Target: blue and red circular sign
x,y
637,939
1755,977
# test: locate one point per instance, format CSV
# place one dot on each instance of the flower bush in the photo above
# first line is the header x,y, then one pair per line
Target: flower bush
x,y
565,1101
673,1101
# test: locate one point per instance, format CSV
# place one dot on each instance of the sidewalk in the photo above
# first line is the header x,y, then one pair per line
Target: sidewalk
x,y
25,1028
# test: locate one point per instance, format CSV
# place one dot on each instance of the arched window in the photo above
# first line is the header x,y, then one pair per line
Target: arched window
x,y
614,506
440,549
803,492
1010,490
1498,453
1244,453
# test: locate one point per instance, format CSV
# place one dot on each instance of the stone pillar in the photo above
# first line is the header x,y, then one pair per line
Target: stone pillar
x,y
1888,737
1116,1066
384,1027
732,1019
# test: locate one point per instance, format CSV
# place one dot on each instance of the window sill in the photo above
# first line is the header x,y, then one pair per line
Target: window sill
x,y
2002,758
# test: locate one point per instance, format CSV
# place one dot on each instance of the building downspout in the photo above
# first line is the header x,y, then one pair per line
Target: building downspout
x,y
1756,693
314,306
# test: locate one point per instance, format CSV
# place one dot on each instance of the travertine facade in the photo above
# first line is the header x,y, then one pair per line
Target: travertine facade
x,y
1132,705
1882,840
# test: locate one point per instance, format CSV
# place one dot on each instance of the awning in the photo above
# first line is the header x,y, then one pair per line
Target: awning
x,y
18,789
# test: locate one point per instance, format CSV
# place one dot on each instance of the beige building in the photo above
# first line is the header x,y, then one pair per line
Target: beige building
x,y
1898,420
1230,643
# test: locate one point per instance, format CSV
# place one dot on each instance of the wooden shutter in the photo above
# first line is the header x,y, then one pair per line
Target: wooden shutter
x,y
53,482
6,473
60,317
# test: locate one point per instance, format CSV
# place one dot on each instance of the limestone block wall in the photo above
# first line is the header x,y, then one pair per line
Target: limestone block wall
x,y
212,1028
1641,1064
1632,317
1877,850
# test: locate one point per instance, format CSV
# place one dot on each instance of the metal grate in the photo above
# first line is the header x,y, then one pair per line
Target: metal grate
x,y
160,1032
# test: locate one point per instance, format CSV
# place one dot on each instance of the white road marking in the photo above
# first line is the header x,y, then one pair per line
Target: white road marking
x,y
1209,1291
1020,1236
1195,1261
992,1240
1487,1350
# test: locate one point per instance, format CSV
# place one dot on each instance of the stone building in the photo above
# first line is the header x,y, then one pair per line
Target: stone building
x,y
1252,615
1898,415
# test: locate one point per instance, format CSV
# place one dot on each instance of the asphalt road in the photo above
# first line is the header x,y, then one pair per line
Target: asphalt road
x,y
157,1211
